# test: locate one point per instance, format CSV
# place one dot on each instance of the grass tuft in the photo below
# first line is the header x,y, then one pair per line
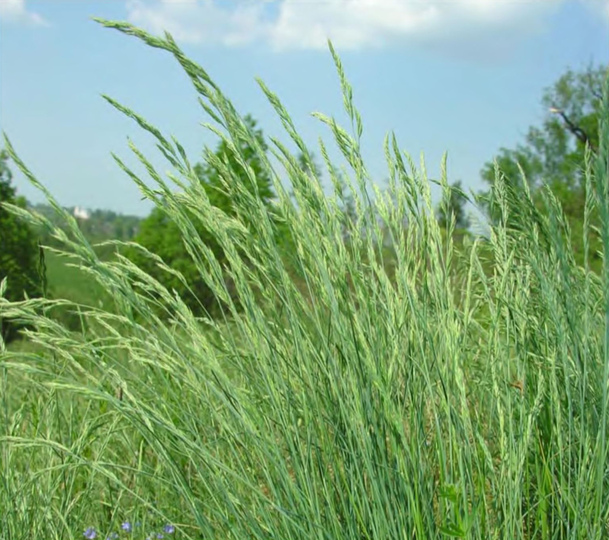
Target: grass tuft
x,y
407,387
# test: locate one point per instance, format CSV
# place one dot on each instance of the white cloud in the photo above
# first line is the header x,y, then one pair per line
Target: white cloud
x,y
350,24
199,22
15,11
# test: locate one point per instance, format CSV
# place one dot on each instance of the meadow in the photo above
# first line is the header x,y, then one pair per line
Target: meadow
x,y
407,386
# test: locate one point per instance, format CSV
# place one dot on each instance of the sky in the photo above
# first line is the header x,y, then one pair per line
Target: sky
x,y
463,77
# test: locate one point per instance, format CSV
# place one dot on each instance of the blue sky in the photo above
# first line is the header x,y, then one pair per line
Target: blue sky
x,y
459,76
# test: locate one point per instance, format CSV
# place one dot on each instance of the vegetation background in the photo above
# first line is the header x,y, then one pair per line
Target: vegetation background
x,y
270,364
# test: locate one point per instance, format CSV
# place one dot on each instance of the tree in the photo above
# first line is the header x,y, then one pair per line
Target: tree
x,y
346,200
456,208
19,251
160,235
554,154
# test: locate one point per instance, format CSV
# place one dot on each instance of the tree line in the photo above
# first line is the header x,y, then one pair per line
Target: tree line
x,y
551,156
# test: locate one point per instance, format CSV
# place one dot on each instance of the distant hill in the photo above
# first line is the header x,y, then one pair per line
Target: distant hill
x,y
96,225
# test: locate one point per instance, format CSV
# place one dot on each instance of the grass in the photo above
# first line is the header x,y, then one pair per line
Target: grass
x,y
457,394
71,283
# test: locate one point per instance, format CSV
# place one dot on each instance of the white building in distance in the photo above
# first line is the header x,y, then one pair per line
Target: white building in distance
x,y
81,213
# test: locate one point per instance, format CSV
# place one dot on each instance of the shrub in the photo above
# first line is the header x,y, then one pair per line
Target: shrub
x,y
19,251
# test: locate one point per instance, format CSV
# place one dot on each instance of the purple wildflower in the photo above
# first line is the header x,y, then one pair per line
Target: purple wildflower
x,y
169,529
90,533
127,527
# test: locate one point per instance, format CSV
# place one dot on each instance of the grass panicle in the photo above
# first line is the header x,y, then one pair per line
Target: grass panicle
x,y
406,386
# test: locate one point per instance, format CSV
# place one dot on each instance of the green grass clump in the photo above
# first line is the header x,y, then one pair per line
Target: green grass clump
x,y
452,393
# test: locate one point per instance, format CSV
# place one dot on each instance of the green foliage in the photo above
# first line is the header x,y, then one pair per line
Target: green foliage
x,y
104,224
554,154
67,281
438,400
19,252
100,226
236,162
454,209
217,175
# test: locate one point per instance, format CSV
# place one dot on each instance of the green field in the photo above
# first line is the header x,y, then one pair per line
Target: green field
x,y
67,280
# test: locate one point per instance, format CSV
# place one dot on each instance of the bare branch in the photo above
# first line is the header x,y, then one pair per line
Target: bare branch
x,y
573,128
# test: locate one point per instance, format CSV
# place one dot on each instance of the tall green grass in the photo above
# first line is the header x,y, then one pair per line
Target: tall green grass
x,y
452,393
